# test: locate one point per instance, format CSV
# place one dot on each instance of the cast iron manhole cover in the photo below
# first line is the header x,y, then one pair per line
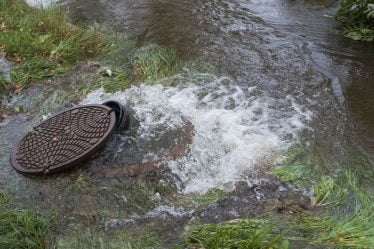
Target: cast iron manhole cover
x,y
64,140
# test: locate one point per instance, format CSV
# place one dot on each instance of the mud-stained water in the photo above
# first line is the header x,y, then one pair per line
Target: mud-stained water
x,y
282,76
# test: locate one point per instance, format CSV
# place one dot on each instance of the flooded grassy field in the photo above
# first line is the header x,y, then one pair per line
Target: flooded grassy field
x,y
259,114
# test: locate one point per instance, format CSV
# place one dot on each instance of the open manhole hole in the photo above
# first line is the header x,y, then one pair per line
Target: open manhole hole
x,y
68,138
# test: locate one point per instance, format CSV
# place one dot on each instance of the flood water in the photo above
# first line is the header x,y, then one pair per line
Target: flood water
x,y
281,47
282,76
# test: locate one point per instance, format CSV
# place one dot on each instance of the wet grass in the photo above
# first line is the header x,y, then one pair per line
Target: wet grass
x,y
3,197
118,240
294,169
343,218
3,85
148,64
43,43
240,234
152,62
23,229
343,210
198,200
348,222
139,195
110,82
54,100
357,16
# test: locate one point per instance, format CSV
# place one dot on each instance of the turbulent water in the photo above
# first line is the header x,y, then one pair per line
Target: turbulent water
x,y
259,77
235,127
281,79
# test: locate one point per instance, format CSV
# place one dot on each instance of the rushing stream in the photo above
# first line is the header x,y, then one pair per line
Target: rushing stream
x,y
282,76
285,72
235,127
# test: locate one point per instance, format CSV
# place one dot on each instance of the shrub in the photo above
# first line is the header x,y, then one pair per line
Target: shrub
x,y
357,16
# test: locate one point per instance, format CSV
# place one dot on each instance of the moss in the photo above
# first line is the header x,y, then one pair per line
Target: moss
x,y
23,229
42,42
246,233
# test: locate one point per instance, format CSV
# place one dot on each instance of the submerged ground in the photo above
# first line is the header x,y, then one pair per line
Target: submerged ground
x,y
258,114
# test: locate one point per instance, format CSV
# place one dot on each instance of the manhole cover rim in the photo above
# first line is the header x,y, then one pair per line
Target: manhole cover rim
x,y
86,155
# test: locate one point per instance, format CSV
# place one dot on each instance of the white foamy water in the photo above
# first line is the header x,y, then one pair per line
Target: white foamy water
x,y
236,128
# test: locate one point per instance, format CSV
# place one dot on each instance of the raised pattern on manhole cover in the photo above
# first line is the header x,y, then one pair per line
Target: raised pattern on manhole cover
x,y
64,140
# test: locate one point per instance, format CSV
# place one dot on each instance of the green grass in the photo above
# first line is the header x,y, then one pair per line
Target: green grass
x,y
3,197
42,42
349,220
343,215
322,191
148,64
3,85
198,200
238,234
296,167
295,173
117,240
117,81
357,16
23,229
153,62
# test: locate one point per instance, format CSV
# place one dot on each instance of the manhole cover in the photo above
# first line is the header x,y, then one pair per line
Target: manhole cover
x,y
64,140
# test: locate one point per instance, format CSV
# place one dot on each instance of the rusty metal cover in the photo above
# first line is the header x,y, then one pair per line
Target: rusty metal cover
x,y
64,140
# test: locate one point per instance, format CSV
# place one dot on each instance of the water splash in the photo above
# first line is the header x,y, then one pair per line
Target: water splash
x,y
236,127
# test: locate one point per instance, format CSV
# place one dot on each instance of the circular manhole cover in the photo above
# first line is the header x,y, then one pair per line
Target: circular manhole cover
x,y
64,140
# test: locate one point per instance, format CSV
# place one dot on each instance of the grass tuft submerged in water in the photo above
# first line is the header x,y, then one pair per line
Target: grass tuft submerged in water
x,y
154,62
349,220
343,215
240,234
148,63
